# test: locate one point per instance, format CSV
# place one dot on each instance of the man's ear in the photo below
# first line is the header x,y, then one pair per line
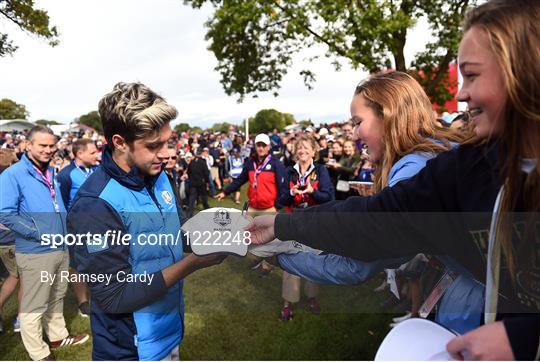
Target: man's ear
x,y
119,143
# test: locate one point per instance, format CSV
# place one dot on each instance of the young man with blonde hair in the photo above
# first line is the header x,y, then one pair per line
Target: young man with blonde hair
x,y
136,287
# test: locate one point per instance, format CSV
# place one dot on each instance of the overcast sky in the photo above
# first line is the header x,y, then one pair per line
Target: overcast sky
x,y
159,43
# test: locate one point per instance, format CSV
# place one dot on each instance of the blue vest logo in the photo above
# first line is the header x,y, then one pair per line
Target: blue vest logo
x,y
167,197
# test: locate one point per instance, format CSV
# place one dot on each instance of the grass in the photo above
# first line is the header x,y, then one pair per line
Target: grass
x,y
233,314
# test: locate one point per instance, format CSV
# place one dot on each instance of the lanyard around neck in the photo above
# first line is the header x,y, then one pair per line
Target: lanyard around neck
x,y
48,179
259,169
303,177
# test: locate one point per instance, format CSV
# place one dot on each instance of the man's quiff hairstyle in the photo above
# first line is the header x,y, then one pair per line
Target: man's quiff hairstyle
x,y
133,111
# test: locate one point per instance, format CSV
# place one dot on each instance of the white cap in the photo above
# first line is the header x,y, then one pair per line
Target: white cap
x,y
261,137
188,154
323,131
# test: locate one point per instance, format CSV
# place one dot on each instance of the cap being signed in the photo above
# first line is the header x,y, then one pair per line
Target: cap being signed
x,y
218,230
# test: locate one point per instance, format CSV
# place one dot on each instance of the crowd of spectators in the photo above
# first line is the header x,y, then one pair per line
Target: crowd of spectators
x,y
217,164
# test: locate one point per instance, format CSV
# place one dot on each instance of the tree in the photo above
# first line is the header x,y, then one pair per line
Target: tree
x,y
221,127
196,129
46,122
91,119
266,120
254,41
33,21
182,127
12,110
288,118
306,123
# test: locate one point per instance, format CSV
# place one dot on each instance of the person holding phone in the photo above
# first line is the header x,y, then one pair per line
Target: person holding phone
x,y
336,151
345,168
364,180
308,184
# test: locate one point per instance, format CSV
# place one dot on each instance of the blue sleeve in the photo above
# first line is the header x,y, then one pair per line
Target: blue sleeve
x,y
239,181
406,167
9,209
325,192
95,216
387,225
64,179
282,187
333,269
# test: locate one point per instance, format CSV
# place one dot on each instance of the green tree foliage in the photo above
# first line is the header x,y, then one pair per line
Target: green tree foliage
x,y
33,21
254,41
91,119
266,120
221,127
182,127
306,123
12,110
46,122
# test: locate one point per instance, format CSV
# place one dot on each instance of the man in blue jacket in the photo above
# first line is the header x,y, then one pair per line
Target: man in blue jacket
x,y
83,165
71,179
32,208
136,285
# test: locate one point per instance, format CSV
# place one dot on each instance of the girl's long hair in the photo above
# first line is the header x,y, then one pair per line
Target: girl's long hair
x,y
409,124
513,29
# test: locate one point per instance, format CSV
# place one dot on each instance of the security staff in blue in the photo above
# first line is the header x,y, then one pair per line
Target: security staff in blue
x,y
136,301
71,178
83,165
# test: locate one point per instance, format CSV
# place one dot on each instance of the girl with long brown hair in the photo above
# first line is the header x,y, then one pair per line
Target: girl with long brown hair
x,y
395,121
479,203
402,122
